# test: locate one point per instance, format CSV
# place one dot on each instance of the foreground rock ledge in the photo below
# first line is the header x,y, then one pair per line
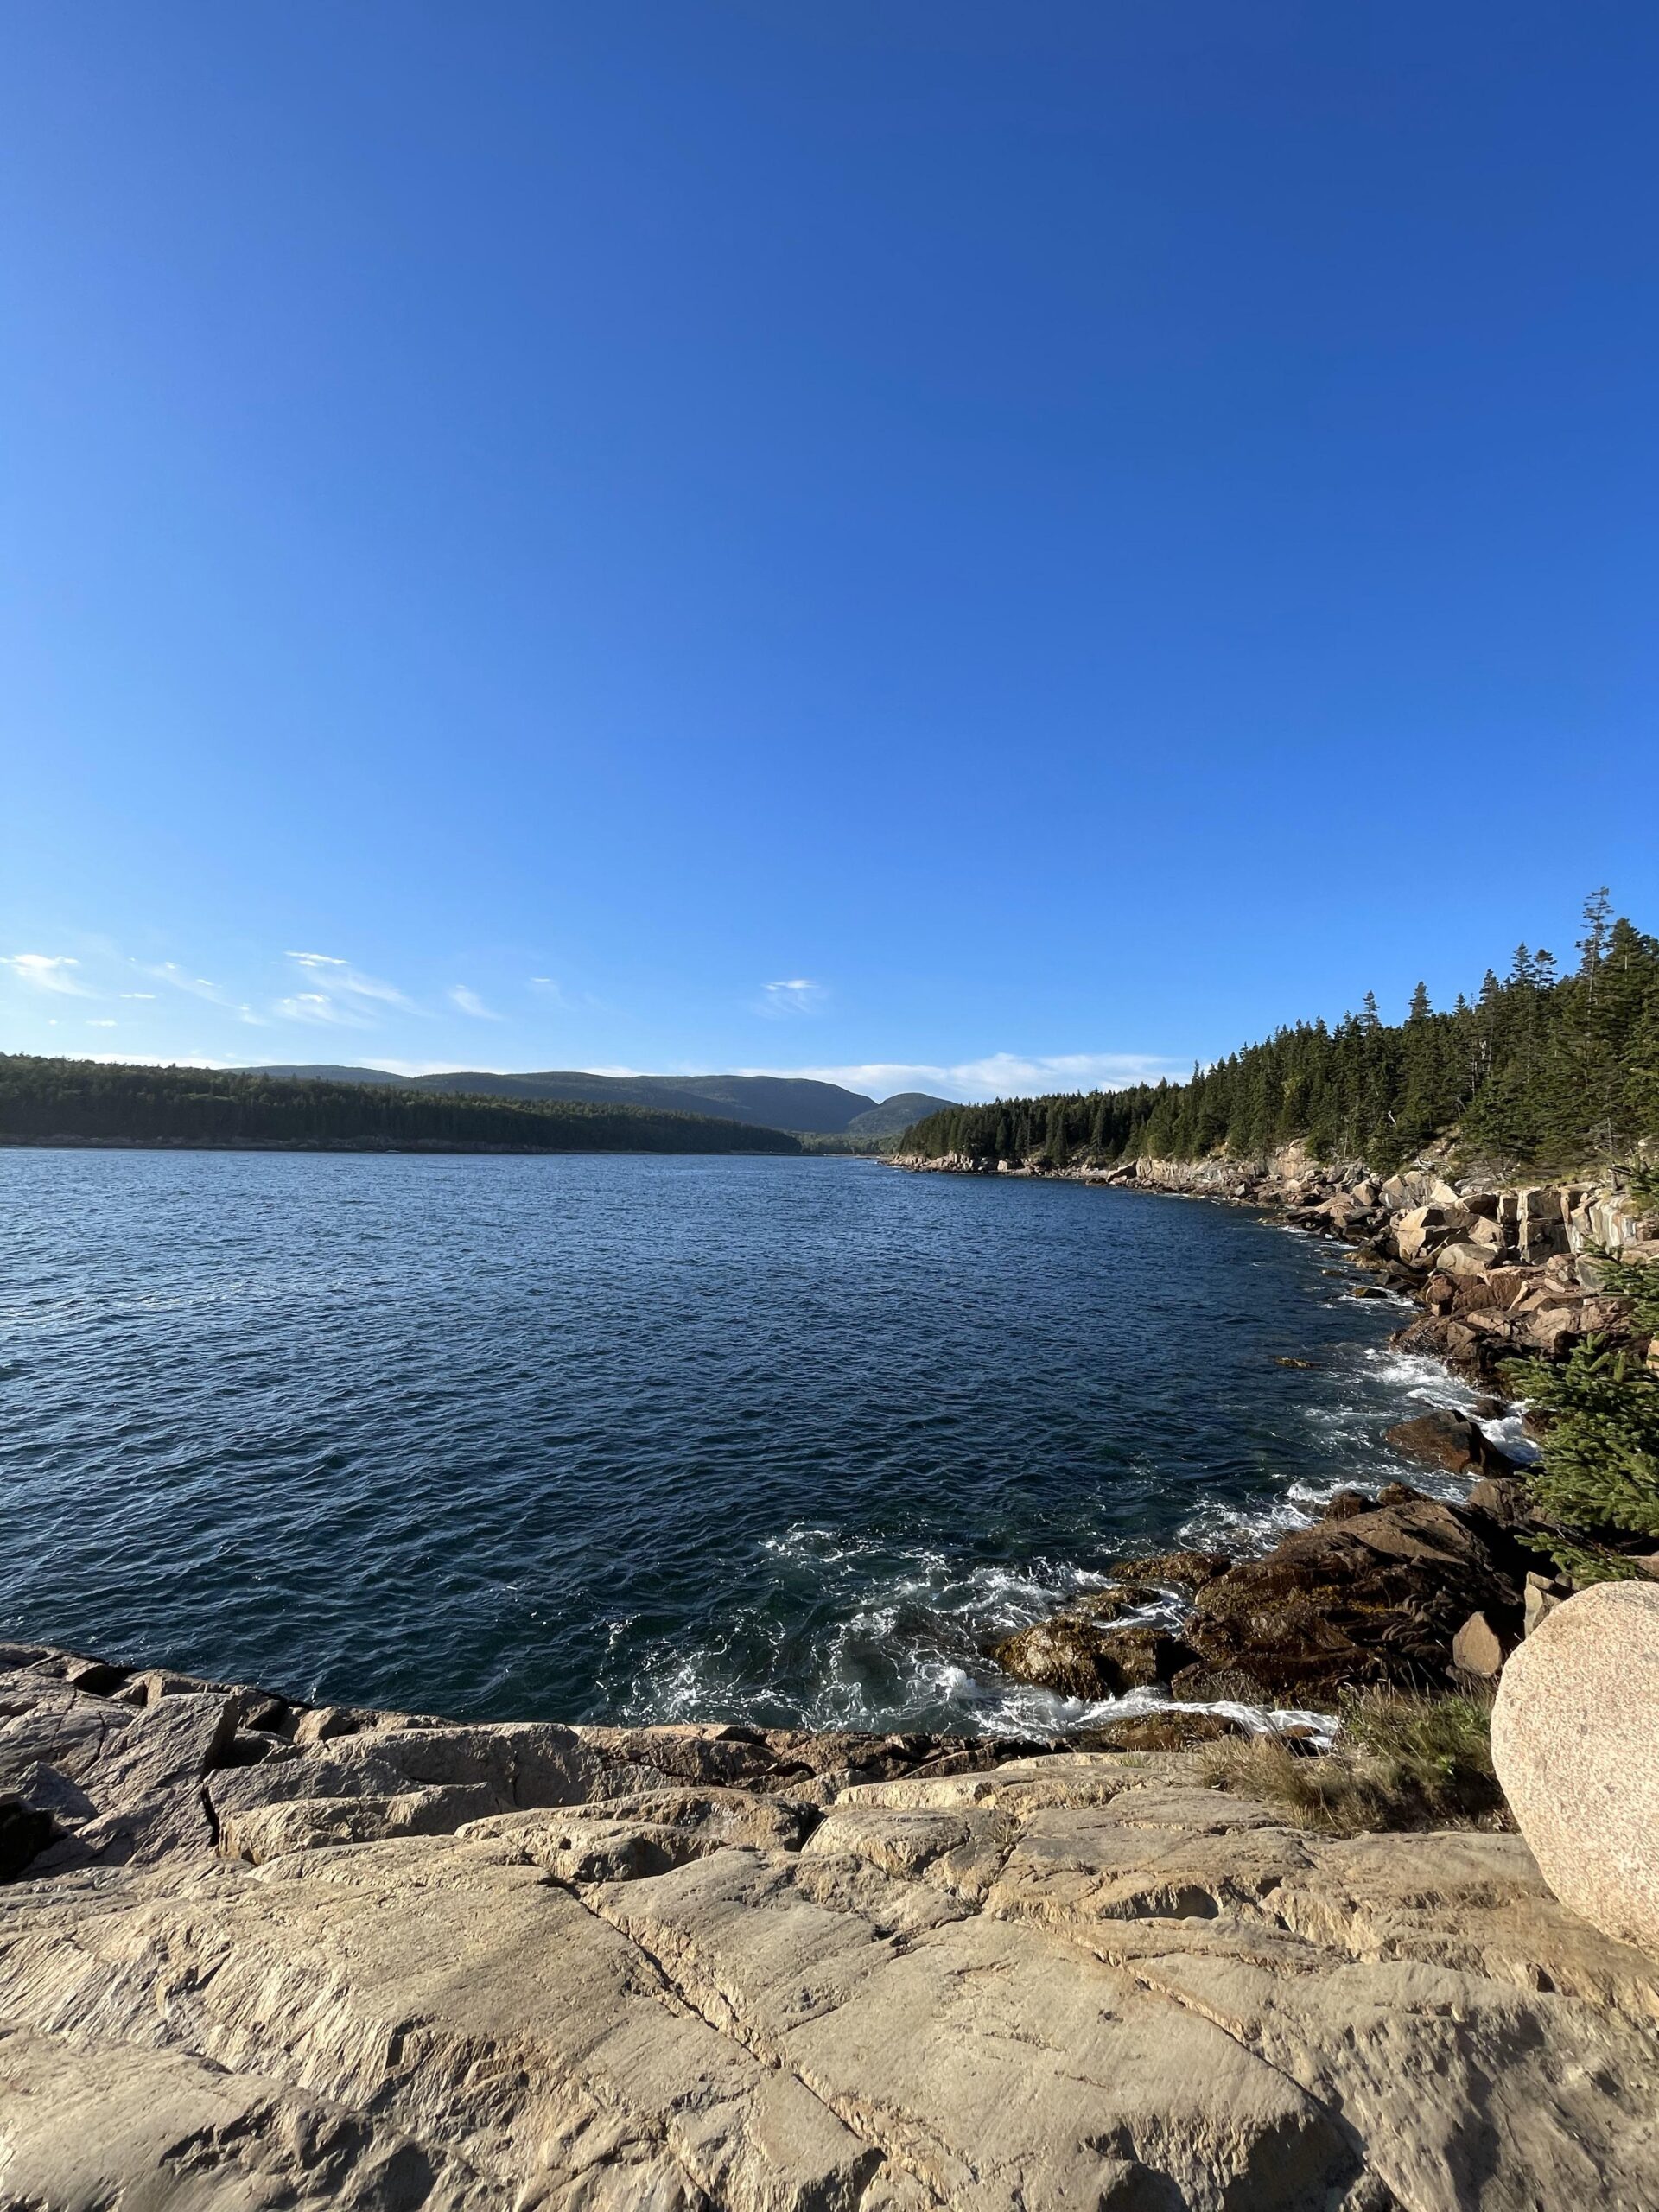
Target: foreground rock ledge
x,y
277,1958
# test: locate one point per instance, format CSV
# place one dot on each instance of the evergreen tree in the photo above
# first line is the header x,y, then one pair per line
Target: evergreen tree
x,y
1598,1475
1542,1073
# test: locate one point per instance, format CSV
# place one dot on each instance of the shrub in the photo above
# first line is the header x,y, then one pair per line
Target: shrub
x,y
1398,1762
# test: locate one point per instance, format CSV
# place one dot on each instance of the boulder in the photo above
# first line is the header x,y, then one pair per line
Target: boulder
x,y
146,1785
325,1722
1543,1594
1399,1494
1575,1741
1462,1257
1540,1224
1117,1599
1477,1649
1444,1336
1067,1657
1413,1239
1452,1440
1077,1659
1146,1655
1417,1187
1549,1331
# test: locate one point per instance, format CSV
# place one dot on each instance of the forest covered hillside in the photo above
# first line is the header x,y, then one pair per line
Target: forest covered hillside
x,y
86,1101
1543,1068
800,1103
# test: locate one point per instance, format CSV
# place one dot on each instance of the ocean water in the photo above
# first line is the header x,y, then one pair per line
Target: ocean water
x,y
787,1442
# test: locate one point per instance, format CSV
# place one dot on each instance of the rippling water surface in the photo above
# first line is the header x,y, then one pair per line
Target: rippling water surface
x,y
782,1440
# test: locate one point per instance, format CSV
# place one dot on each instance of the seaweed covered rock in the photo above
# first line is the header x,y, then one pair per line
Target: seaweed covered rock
x,y
1376,1597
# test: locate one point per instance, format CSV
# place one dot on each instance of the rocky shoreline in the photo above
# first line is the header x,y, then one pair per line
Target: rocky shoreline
x,y
254,1955
264,1955
1395,1590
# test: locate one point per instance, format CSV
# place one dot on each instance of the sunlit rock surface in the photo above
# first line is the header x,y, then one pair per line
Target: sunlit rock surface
x,y
389,1962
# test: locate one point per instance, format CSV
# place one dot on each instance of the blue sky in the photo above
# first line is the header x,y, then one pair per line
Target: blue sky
x,y
983,546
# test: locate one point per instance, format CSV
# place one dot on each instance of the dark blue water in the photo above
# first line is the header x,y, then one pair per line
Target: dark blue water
x,y
775,1439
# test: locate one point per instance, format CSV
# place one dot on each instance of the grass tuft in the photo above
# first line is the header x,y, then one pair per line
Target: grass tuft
x,y
1398,1762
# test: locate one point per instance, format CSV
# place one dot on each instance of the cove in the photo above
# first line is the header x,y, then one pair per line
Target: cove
x,y
786,1441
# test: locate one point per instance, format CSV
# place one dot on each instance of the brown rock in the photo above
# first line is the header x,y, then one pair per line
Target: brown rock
x,y
1444,1336
1120,1598
1506,1499
1477,1649
1146,1655
1174,1728
1376,1598
1442,1439
1078,1660
1464,1258
1543,1594
1345,1504
324,1723
1183,1570
1068,1657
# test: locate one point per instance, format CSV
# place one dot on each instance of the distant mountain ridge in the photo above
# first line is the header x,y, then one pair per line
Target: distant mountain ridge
x,y
56,1101
767,1102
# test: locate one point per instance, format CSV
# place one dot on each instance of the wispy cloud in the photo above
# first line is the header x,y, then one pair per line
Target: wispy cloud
x,y
342,997
318,1010
998,1075
199,987
1013,1075
48,971
137,994
798,995
100,1025
469,1003
350,982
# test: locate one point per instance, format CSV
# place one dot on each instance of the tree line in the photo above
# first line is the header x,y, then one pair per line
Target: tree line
x,y
83,1100
1539,1069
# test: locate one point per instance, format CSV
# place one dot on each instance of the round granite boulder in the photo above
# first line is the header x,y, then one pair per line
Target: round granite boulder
x,y
1575,1740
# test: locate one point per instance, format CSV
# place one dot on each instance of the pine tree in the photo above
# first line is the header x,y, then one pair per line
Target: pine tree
x,y
1597,1478
1540,1074
1597,916
1056,1150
